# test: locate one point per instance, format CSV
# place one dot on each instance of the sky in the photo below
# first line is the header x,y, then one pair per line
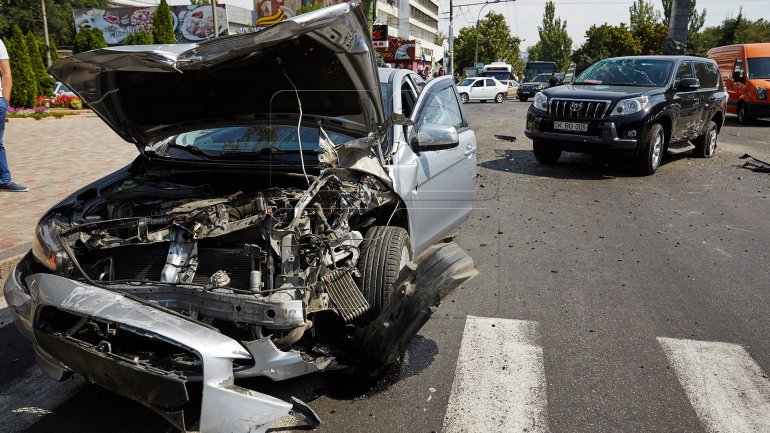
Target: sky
x,y
524,16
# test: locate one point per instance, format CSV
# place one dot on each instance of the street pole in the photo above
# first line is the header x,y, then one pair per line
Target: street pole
x,y
45,35
476,54
214,14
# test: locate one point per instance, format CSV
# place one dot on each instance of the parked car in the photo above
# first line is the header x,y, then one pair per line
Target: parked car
x,y
641,106
60,89
513,86
262,231
482,89
746,72
530,89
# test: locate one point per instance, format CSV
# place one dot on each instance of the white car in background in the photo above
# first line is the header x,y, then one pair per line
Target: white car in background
x,y
482,89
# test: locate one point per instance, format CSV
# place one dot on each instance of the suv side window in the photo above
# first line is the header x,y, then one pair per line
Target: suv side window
x,y
707,74
444,109
684,71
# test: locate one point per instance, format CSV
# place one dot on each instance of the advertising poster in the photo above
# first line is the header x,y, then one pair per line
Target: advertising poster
x,y
271,12
380,36
191,23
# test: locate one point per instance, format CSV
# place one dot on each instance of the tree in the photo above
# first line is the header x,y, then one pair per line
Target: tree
x,y
24,82
54,53
494,40
163,25
646,26
27,14
309,7
44,81
139,38
730,28
88,39
606,41
555,43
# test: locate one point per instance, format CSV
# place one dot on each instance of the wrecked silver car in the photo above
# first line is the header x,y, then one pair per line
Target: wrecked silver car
x,y
289,212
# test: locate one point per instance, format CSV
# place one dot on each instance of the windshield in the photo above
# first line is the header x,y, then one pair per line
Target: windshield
x,y
542,78
500,75
628,72
238,142
759,67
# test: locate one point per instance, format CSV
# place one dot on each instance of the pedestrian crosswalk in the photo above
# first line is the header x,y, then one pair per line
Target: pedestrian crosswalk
x,y
500,384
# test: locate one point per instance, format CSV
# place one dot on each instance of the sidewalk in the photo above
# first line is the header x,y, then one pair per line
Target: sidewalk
x,y
53,157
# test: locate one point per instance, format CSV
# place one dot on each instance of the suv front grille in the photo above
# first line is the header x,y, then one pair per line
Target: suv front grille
x,y
578,109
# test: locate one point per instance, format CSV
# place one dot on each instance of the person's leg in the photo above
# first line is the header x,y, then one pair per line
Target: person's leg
x,y
5,173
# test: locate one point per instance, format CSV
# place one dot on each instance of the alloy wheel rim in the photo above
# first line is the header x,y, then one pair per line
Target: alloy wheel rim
x,y
712,141
656,149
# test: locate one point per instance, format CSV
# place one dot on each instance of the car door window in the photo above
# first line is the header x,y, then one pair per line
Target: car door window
x,y
408,99
478,83
707,74
684,71
490,83
444,109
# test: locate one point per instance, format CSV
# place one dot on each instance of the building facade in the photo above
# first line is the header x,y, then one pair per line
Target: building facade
x,y
413,20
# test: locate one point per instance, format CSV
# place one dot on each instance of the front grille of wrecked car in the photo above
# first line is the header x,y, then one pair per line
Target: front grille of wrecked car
x,y
145,262
578,109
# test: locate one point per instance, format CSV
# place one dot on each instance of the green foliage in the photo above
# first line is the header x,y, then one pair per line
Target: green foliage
x,y
54,53
139,38
309,8
494,41
27,14
555,44
44,81
606,41
200,2
24,80
738,30
646,26
163,25
88,39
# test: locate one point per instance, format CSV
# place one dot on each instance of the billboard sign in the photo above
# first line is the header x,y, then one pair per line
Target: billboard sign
x,y
191,23
380,36
271,12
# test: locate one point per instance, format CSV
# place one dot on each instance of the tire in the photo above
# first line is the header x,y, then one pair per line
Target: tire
x,y
545,152
648,160
706,144
744,118
523,98
464,98
384,251
483,100
499,98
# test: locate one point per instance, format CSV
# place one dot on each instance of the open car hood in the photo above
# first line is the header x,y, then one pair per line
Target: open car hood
x,y
147,92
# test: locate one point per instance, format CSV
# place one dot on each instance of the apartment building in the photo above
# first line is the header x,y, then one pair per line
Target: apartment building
x,y
413,20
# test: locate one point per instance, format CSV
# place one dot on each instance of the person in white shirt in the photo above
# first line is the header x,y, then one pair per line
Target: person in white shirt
x,y
5,96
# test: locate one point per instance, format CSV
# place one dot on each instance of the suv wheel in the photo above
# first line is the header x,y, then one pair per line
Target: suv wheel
x,y
648,160
706,144
744,118
464,97
523,98
545,152
499,98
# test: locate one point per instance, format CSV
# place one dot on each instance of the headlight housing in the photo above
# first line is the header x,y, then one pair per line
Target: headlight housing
x,y
761,92
631,106
540,102
46,248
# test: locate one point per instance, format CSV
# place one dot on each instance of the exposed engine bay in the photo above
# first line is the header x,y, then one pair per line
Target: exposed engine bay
x,y
251,263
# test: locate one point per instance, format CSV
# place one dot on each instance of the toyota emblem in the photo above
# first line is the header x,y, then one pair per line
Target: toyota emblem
x,y
576,106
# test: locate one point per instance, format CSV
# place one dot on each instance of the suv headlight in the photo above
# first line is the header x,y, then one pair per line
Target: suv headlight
x,y
46,248
540,102
631,106
761,92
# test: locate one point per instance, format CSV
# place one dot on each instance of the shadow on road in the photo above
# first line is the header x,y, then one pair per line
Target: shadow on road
x,y
570,166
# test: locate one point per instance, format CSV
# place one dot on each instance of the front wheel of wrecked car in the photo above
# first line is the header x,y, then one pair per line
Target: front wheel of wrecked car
x,y
384,252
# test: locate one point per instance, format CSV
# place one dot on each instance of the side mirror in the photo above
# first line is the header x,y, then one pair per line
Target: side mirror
x,y
688,84
436,137
738,76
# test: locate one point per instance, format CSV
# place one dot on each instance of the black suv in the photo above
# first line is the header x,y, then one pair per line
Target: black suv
x,y
641,106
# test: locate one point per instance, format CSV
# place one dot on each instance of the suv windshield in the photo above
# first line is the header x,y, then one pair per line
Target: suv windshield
x,y
542,78
241,141
628,72
759,67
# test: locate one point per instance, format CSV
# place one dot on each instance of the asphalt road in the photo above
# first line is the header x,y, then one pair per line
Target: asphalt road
x,y
617,281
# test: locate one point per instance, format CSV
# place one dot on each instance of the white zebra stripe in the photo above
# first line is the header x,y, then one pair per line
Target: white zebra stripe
x,y
499,383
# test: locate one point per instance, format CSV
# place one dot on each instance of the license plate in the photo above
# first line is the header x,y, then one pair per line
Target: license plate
x,y
571,126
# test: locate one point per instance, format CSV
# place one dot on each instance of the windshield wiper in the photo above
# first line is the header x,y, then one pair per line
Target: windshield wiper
x,y
192,150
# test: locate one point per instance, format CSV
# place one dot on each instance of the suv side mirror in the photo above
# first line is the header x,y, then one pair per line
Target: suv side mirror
x,y
436,137
688,84
738,76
